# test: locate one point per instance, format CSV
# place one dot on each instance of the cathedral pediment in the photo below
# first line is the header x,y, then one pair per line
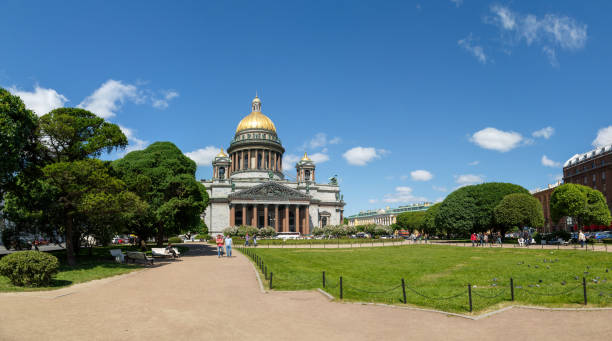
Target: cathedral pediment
x,y
270,191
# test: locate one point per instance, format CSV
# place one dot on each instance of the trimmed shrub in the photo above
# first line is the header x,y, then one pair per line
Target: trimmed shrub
x,y
175,240
267,232
202,236
29,268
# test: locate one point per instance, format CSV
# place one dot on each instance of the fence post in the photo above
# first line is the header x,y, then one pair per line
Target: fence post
x,y
584,290
266,272
404,290
340,287
512,288
470,296
323,279
271,274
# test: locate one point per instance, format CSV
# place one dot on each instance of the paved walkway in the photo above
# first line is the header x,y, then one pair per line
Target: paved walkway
x,y
202,297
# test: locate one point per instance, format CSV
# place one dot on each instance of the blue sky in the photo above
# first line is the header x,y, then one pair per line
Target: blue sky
x,y
404,100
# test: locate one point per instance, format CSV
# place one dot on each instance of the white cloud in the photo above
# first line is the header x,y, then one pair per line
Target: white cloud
x,y
162,103
403,194
360,156
548,162
551,30
474,163
373,201
289,161
604,137
320,140
134,143
457,3
204,156
439,188
544,132
319,157
476,50
109,98
421,175
552,55
41,100
494,139
468,179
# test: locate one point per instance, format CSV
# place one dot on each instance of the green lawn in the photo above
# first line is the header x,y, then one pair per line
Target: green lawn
x,y
99,265
437,276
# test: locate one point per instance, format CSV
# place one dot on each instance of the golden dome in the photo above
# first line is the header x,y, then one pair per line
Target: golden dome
x,y
256,120
221,154
305,158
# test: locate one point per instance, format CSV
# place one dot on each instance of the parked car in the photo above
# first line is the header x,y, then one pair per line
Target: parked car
x,y
603,235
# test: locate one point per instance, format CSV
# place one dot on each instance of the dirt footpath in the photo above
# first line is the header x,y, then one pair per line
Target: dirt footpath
x,y
202,297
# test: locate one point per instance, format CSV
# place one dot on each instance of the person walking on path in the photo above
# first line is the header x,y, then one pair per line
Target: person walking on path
x,y
254,240
228,246
246,240
219,245
473,239
581,238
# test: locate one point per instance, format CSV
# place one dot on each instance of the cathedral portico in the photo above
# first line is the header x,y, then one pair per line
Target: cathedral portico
x,y
249,188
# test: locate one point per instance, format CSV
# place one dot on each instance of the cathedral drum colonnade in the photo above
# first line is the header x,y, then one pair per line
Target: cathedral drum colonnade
x,y
248,186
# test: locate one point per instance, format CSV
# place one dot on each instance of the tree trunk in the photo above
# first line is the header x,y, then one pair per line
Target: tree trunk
x,y
70,257
160,235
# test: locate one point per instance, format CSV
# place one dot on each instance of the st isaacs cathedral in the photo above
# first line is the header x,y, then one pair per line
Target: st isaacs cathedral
x,y
248,186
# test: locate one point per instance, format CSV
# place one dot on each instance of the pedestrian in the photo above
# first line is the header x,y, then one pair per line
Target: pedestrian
x,y
473,239
228,246
255,240
499,241
581,238
246,240
485,238
219,245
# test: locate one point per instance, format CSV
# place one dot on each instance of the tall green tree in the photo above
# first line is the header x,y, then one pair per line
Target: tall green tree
x,y
411,220
17,137
471,208
518,210
71,134
165,178
88,199
429,220
586,205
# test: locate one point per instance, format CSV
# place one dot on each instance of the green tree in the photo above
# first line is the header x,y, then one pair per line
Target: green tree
x,y
17,137
70,134
429,220
586,205
88,198
411,220
518,210
471,208
165,178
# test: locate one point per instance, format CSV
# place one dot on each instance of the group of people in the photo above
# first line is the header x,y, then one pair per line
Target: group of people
x,y
482,239
525,239
224,242
247,238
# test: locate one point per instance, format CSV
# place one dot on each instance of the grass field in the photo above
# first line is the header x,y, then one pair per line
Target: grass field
x,y
97,266
437,276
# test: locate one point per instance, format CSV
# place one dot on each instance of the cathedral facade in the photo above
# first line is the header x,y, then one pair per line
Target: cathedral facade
x,y
248,186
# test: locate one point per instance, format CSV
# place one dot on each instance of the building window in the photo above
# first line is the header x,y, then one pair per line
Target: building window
x,y
594,177
585,180
603,175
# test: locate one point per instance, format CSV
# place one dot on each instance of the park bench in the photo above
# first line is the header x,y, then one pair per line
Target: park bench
x,y
163,252
119,256
140,256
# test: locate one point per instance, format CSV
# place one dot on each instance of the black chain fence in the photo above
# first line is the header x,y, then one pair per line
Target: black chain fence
x,y
398,293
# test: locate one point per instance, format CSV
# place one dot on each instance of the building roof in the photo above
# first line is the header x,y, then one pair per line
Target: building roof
x,y
256,120
588,155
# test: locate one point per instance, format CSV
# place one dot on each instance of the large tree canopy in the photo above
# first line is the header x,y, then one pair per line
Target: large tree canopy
x,y
519,210
411,220
88,199
586,205
17,137
429,221
71,134
470,208
165,178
